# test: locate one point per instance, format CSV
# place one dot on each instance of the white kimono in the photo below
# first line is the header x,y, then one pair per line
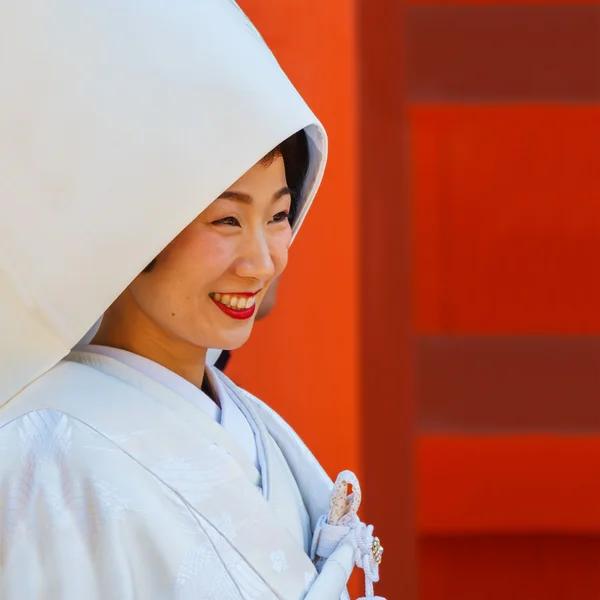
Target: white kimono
x,y
113,486
121,121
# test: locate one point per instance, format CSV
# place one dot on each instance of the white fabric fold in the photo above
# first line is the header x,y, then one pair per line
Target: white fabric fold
x,y
326,503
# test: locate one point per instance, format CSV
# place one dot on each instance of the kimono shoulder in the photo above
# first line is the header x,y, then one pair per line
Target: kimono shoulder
x,y
96,513
79,518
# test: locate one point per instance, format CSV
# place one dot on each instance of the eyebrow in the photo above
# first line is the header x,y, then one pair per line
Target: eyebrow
x,y
241,197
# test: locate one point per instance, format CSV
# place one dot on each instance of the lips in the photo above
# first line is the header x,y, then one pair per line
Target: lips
x,y
240,305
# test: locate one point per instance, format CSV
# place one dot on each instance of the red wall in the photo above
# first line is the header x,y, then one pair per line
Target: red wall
x,y
437,328
506,209
498,127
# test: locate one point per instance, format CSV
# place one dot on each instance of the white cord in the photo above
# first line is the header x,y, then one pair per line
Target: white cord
x,y
341,520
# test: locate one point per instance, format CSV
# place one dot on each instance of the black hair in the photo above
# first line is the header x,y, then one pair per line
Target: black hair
x,y
295,154
294,151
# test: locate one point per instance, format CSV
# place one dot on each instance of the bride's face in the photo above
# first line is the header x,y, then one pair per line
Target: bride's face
x,y
205,287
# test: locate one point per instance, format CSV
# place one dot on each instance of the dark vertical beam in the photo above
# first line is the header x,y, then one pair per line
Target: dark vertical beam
x,y
387,348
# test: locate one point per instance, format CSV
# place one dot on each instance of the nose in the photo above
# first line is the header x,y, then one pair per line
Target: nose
x,y
256,259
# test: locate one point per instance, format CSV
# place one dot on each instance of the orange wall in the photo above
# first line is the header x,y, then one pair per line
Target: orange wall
x,y
508,484
506,208
503,234
505,219
302,360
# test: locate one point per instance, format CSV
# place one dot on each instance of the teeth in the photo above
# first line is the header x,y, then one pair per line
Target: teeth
x,y
238,302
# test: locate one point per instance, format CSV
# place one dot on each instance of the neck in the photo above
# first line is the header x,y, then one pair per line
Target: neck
x,y
127,327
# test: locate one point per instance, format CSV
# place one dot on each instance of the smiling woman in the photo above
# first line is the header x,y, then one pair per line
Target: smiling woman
x,y
130,469
203,289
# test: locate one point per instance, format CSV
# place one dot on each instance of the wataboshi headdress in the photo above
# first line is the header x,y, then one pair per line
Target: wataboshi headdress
x,y
120,121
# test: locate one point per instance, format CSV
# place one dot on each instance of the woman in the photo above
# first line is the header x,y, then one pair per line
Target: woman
x,y
156,163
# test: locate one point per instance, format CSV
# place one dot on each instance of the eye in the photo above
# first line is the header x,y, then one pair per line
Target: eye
x,y
284,215
227,221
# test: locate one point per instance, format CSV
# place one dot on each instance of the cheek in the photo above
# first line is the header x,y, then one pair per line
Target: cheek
x,y
279,249
197,257
185,272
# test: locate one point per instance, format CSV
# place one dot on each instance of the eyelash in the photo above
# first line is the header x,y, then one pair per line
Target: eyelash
x,y
284,215
233,222
227,221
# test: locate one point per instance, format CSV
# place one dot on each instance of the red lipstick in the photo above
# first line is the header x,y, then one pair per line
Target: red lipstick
x,y
245,313
236,313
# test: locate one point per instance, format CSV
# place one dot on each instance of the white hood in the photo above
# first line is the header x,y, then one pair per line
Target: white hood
x,y
120,121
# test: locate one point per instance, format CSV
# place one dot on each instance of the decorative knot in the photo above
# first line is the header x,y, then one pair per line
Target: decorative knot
x,y
338,523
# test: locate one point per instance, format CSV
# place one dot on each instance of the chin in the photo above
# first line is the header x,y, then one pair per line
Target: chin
x,y
229,341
